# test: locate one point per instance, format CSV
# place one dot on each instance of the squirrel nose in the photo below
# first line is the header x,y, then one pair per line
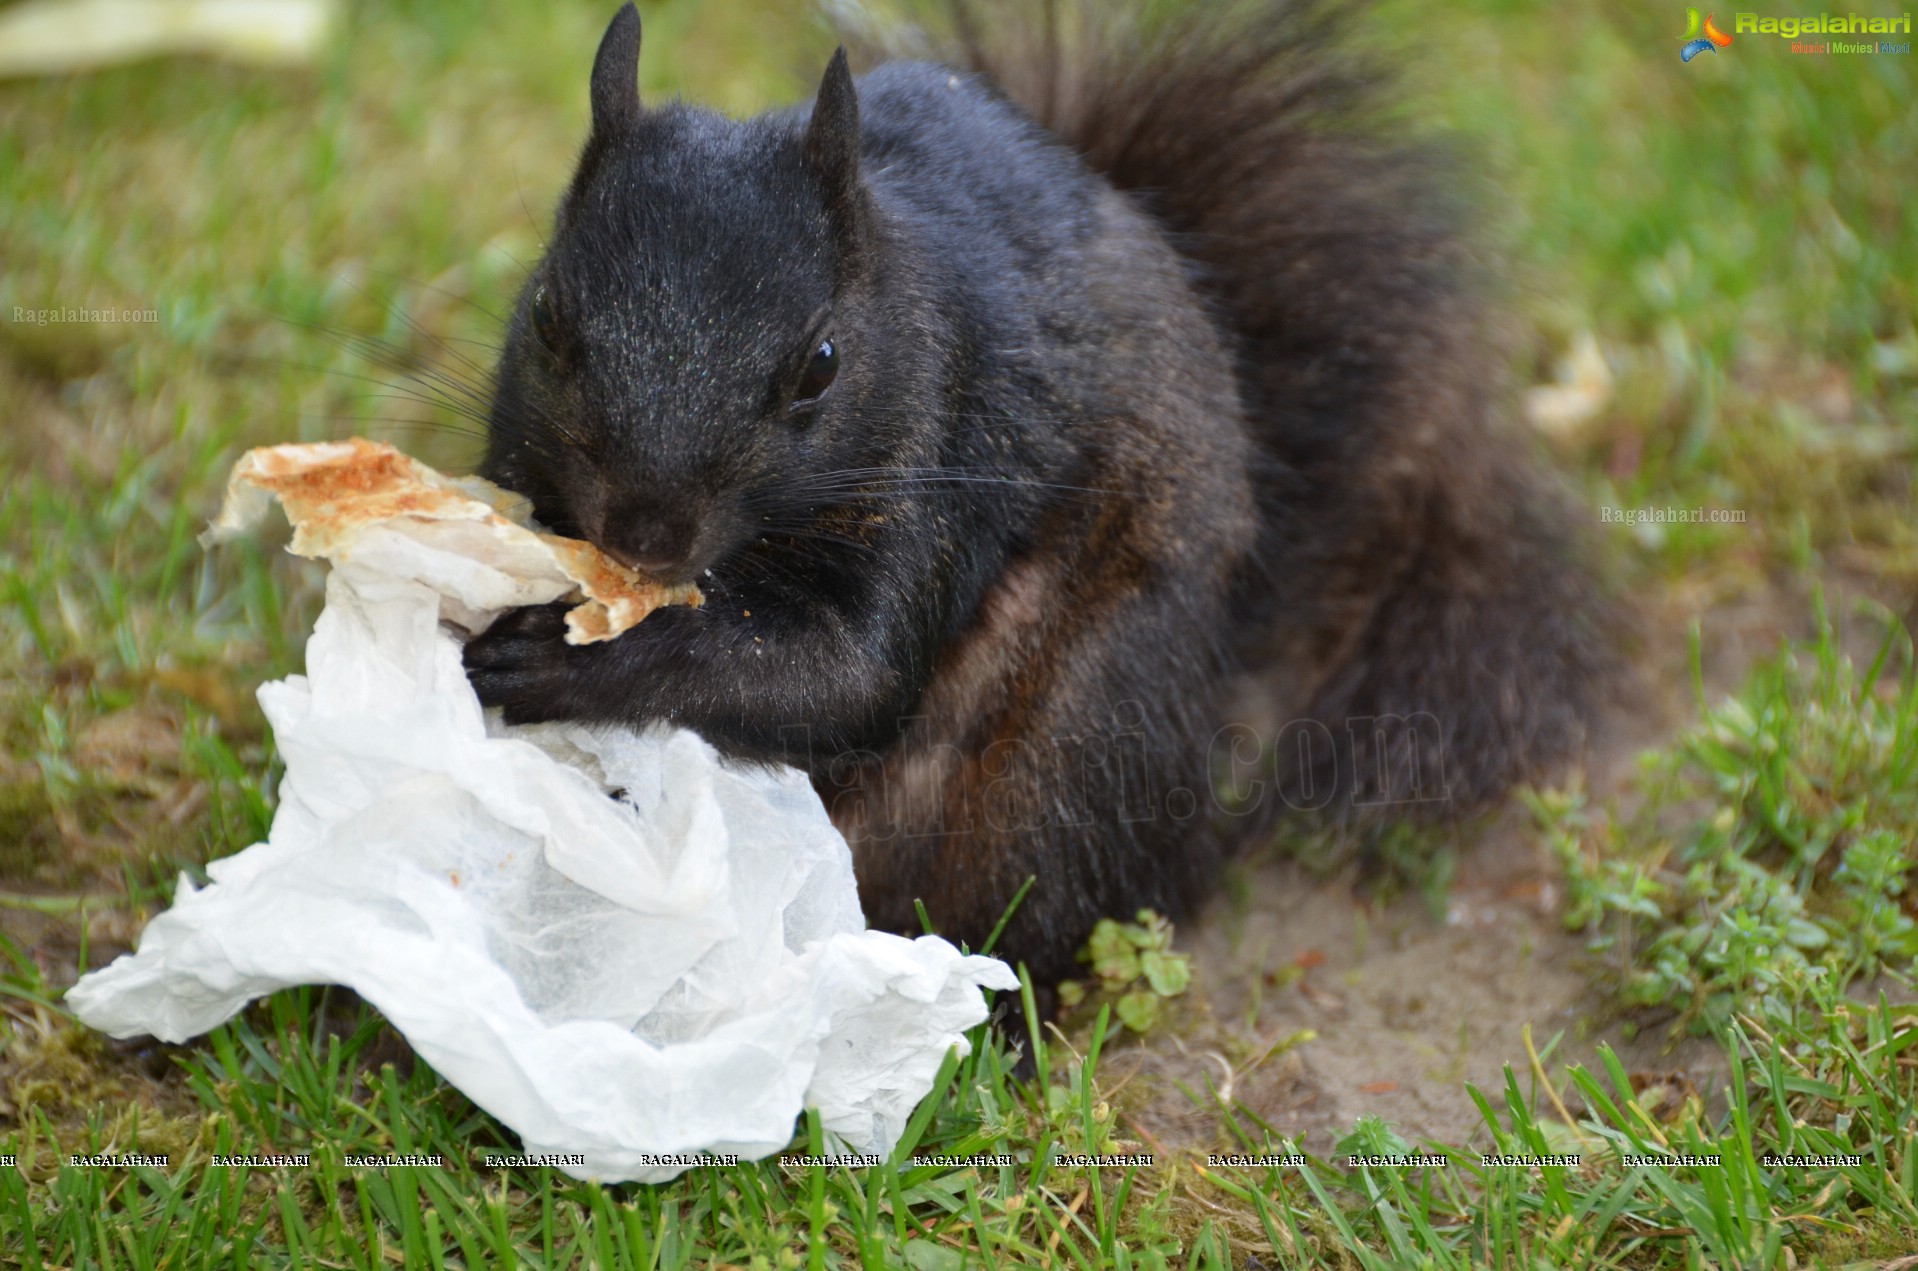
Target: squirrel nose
x,y
659,565
653,545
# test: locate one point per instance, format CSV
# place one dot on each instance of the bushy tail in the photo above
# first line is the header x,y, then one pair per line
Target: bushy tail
x,y
1415,563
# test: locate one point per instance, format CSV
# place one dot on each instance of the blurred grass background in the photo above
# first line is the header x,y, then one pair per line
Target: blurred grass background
x,y
1715,263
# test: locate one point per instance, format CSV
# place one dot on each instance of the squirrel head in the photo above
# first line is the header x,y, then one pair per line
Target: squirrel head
x,y
704,328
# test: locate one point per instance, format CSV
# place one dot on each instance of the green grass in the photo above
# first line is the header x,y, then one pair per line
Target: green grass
x,y
1776,840
1739,239
277,1081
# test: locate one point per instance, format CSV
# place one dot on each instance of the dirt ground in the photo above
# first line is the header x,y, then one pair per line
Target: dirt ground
x,y
1406,1007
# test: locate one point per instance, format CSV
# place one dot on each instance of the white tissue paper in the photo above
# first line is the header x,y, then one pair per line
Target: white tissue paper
x,y
678,969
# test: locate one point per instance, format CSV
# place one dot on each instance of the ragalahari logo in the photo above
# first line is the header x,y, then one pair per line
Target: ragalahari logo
x,y
1701,37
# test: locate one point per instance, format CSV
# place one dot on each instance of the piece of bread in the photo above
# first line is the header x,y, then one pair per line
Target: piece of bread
x,y
357,496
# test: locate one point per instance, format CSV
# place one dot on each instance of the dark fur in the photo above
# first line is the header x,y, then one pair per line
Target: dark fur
x,y
1160,405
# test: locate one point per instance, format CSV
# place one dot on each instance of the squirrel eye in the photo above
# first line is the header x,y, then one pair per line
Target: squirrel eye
x,y
545,324
820,371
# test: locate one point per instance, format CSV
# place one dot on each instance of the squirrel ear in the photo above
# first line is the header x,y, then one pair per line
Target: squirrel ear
x,y
832,138
616,73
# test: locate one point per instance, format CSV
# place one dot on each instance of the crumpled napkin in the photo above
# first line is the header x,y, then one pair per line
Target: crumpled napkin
x,y
625,949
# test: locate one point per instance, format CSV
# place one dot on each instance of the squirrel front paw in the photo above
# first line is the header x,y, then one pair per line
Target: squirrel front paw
x,y
523,664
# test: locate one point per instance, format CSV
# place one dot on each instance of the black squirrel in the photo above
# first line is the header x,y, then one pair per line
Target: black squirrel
x,y
1088,450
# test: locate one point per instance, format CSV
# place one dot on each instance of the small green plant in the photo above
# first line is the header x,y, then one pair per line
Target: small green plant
x,y
1371,1136
1135,968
